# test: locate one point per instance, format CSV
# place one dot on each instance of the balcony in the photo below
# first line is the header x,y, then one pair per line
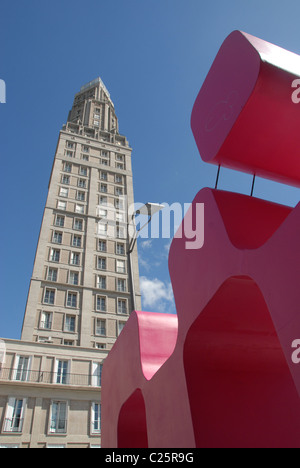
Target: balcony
x,y
51,378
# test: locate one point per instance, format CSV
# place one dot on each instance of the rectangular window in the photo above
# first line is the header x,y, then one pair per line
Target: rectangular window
x,y
65,179
61,205
102,246
57,237
122,306
121,325
102,229
58,419
121,266
96,374
78,224
81,183
103,188
79,208
83,171
120,249
49,296
76,241
72,299
63,192
52,274
100,327
103,175
121,285
102,213
119,190
46,320
75,258
54,255
61,374
101,263
101,304
119,203
96,418
101,282
74,278
70,322
14,416
60,221
80,196
22,368
103,200
120,233
68,342
68,167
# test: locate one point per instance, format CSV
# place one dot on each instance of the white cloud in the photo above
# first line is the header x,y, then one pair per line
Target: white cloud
x,y
147,244
156,294
167,247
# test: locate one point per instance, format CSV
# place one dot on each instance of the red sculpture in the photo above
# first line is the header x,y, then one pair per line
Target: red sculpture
x,y
227,373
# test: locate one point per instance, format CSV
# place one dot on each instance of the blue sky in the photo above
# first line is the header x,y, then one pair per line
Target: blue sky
x,y
153,56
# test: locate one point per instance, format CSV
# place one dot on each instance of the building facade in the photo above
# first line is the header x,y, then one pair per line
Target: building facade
x,y
81,289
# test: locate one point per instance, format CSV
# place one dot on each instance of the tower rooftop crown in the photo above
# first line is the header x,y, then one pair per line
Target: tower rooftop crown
x,y
94,83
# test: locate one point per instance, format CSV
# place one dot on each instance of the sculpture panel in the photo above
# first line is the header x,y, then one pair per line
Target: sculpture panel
x,y
225,371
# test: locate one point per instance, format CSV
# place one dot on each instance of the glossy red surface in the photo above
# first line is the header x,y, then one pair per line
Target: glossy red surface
x,y
230,380
224,372
244,117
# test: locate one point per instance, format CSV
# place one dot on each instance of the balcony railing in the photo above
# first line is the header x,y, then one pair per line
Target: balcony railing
x,y
42,377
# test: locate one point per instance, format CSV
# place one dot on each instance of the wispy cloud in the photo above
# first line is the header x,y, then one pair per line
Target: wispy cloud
x,y
147,244
143,263
156,295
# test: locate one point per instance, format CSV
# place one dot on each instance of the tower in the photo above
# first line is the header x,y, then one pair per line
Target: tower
x,y
81,289
79,292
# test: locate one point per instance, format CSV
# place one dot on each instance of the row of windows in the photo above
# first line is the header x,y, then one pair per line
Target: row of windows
x,y
22,372
70,322
77,222
58,416
115,231
85,150
73,297
81,196
83,171
76,240
75,259
106,162
74,278
80,209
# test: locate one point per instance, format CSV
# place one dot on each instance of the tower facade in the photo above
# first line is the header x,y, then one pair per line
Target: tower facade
x,y
81,289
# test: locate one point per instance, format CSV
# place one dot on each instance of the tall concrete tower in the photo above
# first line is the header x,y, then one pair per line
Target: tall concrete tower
x,y
81,290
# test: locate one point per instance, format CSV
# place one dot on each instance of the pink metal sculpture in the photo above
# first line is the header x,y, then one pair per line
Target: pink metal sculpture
x,y
224,374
